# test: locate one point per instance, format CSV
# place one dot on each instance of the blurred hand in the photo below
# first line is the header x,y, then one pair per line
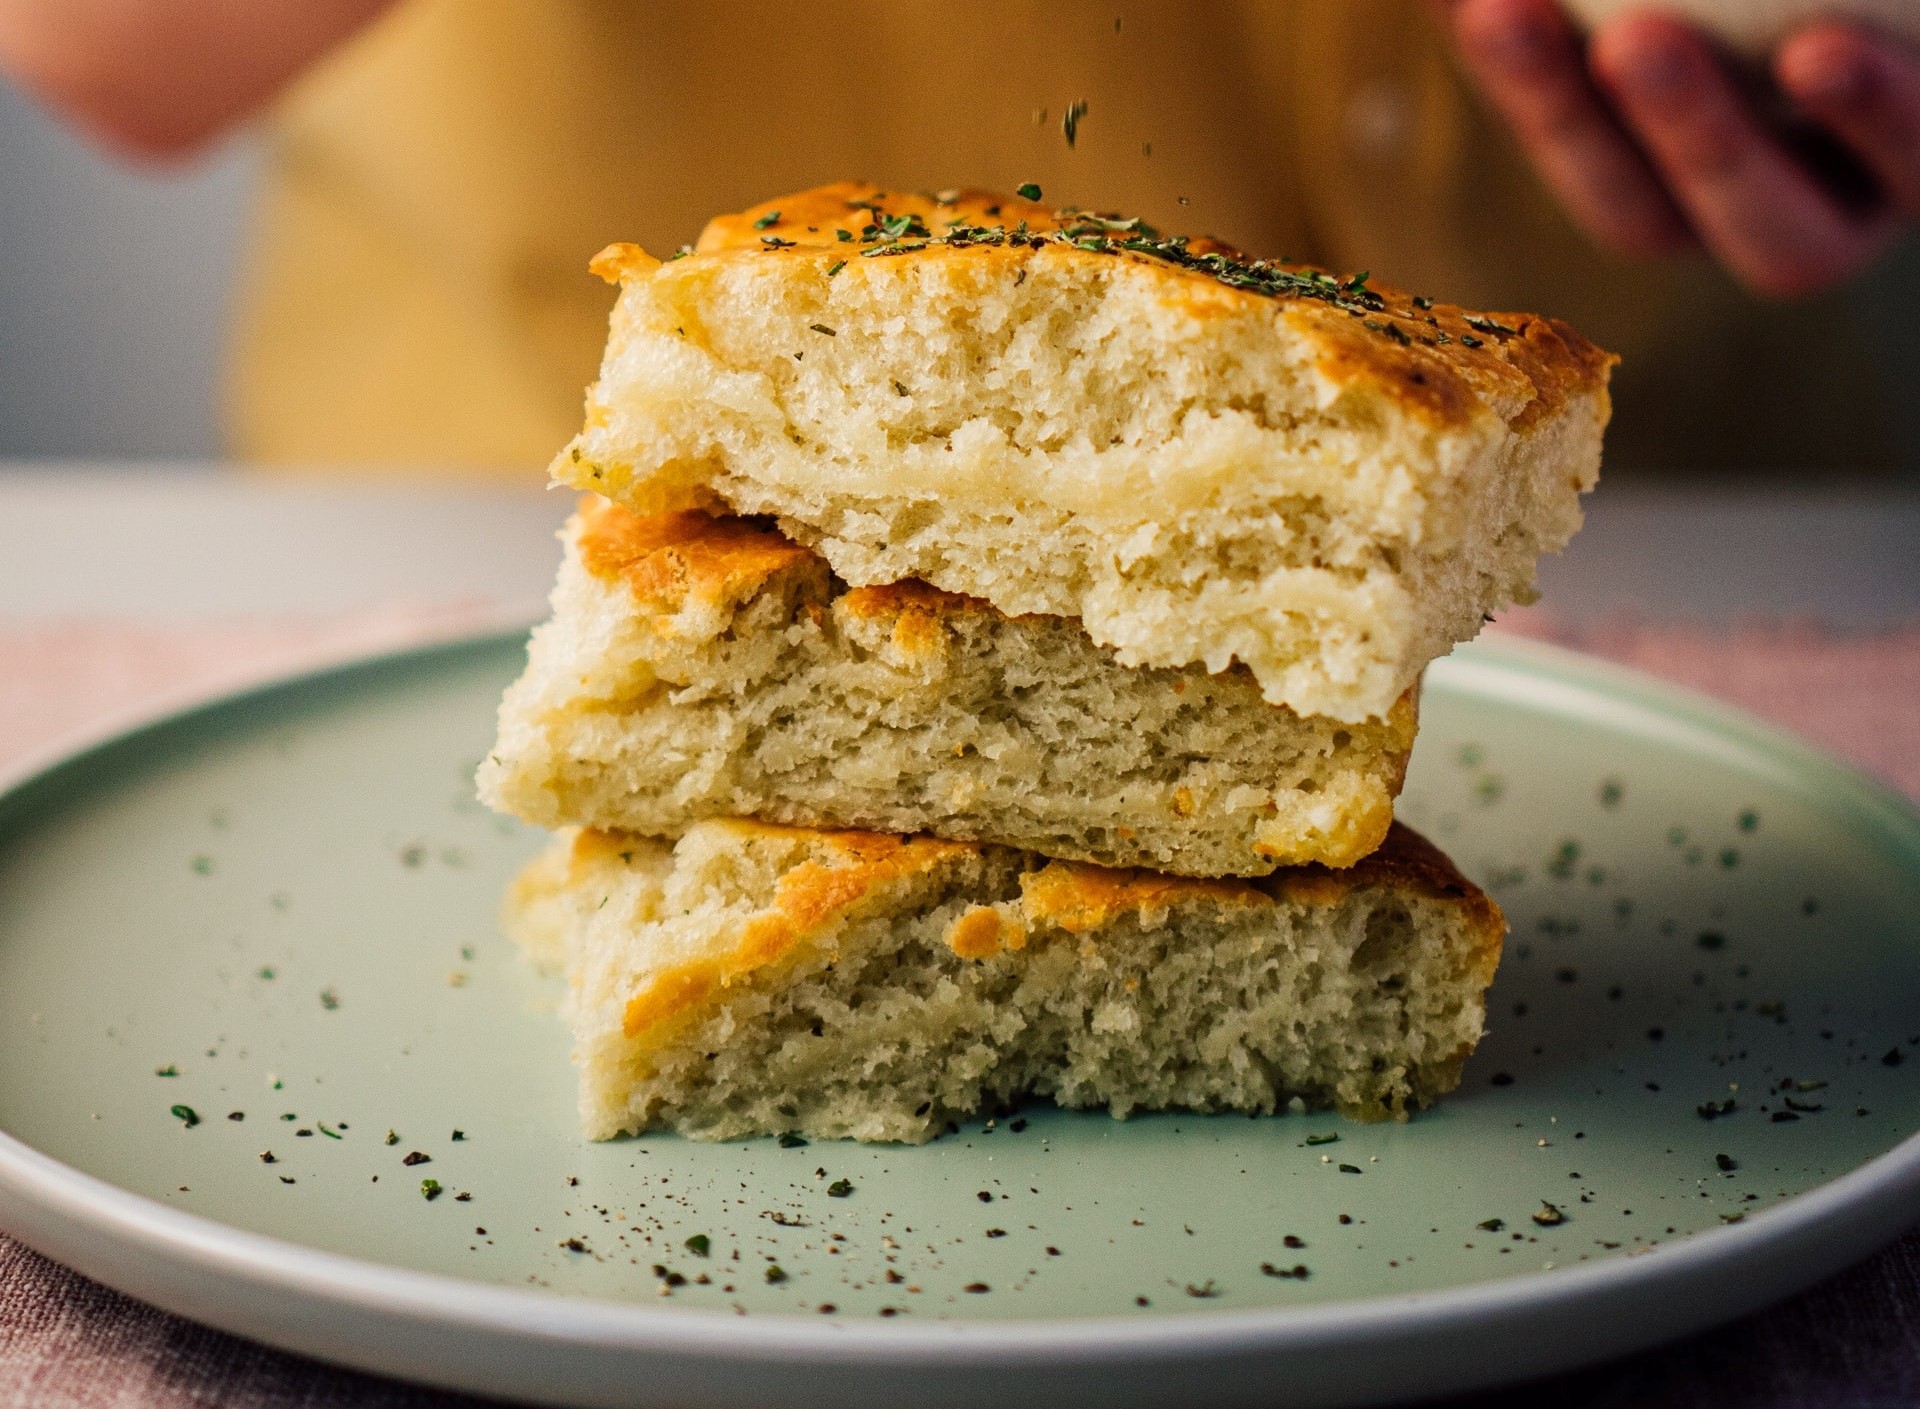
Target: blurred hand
x,y
1654,148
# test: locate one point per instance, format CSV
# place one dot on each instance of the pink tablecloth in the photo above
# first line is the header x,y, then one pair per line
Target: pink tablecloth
x,y
1853,1342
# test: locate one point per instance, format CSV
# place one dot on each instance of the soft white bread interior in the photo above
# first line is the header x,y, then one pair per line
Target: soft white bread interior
x,y
755,979
698,667
1202,457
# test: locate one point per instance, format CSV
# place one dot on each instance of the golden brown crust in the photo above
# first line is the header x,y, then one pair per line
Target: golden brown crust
x,y
667,559
1436,360
841,869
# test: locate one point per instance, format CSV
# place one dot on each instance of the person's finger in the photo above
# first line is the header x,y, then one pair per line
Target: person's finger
x,y
1763,215
1527,58
1865,89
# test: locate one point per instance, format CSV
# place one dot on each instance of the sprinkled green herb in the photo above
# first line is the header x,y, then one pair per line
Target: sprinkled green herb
x,y
1549,1215
168,1070
1749,820
843,234
700,1245
839,1188
776,1274
1027,191
203,865
838,264
1469,340
1611,792
772,217
1491,1225
329,999
186,1115
1565,857
1327,1139
266,971
1070,124
790,1141
1487,325
774,242
1729,858
430,1189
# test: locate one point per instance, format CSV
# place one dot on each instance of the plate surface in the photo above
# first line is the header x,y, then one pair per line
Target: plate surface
x,y
252,995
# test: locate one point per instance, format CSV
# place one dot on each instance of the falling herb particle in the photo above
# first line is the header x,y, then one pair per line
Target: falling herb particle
x,y
1711,939
1549,1215
976,1288
330,1134
700,1245
1351,1169
1729,858
414,1157
1070,124
1713,1110
168,1070
186,1115
1612,790
1293,1240
1027,191
1565,857
1491,1225
776,1274
669,1276
1501,1078
1298,1272
1727,1163
1782,1117
839,1188
572,1244
1732,1217
996,1232
268,1157
430,1189
1205,1289
329,999
236,1115
1893,1058
772,217
286,1179
1327,1139
392,1139
1749,820
203,865
984,1196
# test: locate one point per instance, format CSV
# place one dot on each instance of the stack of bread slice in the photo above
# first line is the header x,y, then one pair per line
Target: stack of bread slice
x,y
985,659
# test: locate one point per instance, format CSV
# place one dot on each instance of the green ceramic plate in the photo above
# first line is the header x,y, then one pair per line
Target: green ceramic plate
x,y
252,995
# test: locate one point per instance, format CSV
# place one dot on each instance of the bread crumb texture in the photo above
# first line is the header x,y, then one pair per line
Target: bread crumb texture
x,y
1202,457
699,667
755,979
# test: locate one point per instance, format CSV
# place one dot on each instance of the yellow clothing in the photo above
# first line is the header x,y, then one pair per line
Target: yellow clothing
x,y
419,291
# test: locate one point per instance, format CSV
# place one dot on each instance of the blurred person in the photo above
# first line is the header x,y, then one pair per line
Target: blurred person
x,y
438,172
